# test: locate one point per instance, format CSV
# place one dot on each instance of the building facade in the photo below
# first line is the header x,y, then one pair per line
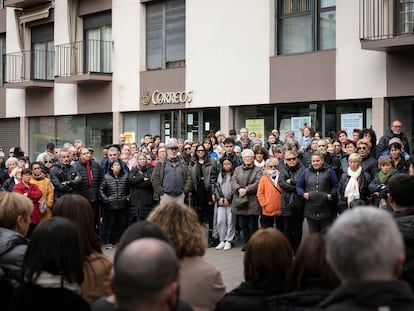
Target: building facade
x,y
92,69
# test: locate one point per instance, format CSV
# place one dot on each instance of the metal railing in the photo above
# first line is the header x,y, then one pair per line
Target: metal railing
x,y
29,65
385,19
88,56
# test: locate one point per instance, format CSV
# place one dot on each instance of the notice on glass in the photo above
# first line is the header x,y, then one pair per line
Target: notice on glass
x,y
351,121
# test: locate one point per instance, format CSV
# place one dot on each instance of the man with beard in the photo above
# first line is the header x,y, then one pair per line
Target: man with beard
x,y
171,178
63,175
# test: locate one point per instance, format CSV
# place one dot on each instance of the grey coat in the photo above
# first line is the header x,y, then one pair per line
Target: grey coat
x,y
239,180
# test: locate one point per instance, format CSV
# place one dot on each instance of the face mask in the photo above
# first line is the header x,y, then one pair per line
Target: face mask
x,y
271,172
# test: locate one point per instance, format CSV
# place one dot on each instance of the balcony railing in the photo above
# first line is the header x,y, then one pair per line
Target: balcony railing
x,y
29,65
386,19
82,57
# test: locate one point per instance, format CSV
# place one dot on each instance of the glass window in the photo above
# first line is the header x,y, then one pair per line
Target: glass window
x,y
3,59
165,34
43,52
264,112
305,25
94,130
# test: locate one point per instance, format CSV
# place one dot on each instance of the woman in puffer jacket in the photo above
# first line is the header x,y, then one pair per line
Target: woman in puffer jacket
x,y
114,192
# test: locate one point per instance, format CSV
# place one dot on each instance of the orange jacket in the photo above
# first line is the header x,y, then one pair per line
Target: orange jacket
x,y
269,196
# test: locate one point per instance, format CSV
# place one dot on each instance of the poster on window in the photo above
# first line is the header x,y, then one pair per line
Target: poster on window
x,y
129,137
351,121
256,126
298,123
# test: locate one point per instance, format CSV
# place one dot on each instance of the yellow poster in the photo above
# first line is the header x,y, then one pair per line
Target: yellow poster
x,y
257,126
130,137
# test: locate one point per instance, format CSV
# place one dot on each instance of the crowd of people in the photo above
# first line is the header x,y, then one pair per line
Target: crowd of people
x,y
232,186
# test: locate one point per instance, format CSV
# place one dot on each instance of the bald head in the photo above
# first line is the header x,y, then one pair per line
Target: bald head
x,y
144,271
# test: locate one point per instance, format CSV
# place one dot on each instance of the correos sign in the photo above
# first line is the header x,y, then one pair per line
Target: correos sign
x,y
161,98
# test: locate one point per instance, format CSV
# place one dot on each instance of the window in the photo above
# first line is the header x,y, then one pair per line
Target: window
x,y
305,25
2,55
165,34
42,53
98,42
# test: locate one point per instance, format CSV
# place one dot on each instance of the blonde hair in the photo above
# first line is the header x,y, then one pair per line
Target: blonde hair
x,y
181,225
12,205
364,141
354,157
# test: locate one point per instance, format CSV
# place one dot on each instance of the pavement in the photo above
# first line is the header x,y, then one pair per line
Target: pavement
x,y
230,263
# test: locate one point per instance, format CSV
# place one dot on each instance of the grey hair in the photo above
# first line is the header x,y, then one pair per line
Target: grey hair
x,y
364,244
247,153
11,159
114,149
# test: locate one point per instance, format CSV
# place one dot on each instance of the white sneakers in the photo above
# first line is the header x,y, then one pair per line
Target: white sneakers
x,y
227,246
221,245
224,246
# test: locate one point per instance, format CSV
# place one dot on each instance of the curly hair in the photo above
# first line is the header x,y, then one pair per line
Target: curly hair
x,y
181,225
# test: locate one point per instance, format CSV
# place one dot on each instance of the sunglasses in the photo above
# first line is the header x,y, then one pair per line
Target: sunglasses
x,y
50,161
362,148
272,166
291,159
188,148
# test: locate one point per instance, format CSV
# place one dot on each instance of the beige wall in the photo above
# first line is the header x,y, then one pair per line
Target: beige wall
x,y
94,98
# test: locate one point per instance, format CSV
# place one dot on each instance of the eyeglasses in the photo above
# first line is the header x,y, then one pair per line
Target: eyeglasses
x,y
272,166
398,126
291,159
36,168
362,148
322,146
49,161
188,148
200,150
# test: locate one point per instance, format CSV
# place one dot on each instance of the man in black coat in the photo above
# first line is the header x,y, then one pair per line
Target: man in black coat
x,y
401,198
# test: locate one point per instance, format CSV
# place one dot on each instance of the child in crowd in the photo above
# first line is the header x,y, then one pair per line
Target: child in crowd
x,y
378,186
223,196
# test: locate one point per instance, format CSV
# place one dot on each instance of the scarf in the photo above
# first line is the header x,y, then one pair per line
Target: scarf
x,y
384,177
88,171
46,279
352,187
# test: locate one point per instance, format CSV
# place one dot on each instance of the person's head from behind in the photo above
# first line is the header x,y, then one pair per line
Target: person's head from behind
x,y
400,187
268,259
181,225
356,244
146,276
54,248
15,211
310,264
78,209
139,230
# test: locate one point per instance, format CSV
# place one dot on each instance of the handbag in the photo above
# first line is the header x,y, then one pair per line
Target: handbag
x,y
242,202
42,206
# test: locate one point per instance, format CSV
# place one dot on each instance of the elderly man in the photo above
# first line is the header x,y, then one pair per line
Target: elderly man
x,y
146,276
171,177
366,250
395,130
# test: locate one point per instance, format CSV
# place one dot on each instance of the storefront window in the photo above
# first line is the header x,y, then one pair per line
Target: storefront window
x,y
259,119
94,130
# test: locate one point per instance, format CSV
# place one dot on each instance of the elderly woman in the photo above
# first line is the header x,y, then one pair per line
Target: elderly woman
x,y
269,194
267,266
201,284
292,204
244,183
10,164
369,163
353,185
318,185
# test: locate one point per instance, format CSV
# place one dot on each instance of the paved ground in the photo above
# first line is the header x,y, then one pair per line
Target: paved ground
x,y
230,263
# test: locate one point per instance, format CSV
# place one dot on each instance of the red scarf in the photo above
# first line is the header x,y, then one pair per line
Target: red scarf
x,y
88,172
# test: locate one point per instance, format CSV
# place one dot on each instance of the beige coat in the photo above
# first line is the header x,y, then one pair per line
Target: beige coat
x,y
201,284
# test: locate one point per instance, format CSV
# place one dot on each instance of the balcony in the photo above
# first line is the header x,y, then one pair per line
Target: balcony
x,y
387,25
24,3
84,62
29,69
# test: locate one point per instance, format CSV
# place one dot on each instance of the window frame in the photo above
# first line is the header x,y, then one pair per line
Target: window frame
x,y
315,12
